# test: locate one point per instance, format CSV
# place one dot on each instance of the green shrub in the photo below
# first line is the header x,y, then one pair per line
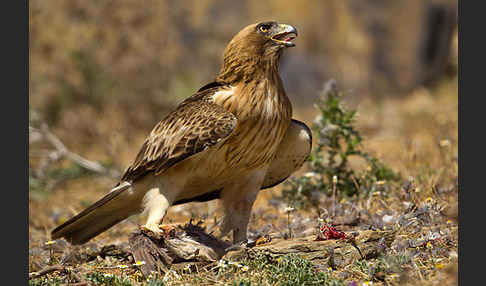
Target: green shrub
x,y
337,141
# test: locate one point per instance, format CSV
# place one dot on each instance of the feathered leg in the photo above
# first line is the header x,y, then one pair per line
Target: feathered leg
x,y
156,206
237,202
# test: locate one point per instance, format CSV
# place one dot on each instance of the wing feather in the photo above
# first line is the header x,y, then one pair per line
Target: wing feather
x,y
196,124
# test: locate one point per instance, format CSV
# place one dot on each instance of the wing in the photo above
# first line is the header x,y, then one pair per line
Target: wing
x,y
291,155
195,125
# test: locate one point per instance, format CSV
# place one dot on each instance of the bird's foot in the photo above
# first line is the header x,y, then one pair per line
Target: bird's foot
x,y
167,230
240,245
263,239
158,231
152,231
249,243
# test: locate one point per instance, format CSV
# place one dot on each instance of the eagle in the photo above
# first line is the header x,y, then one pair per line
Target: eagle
x,y
232,138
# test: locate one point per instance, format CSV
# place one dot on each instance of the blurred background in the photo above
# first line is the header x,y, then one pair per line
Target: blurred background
x,y
103,73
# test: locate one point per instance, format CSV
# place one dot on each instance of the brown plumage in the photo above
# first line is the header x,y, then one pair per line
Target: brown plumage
x,y
230,139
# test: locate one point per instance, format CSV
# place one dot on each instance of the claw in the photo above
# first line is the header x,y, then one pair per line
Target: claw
x,y
152,231
168,230
263,239
240,245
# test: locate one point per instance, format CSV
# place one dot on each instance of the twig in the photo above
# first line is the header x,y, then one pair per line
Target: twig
x,y
356,185
334,182
58,267
80,281
288,225
352,240
46,270
288,210
62,150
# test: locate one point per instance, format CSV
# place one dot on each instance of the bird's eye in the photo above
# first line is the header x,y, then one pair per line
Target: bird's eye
x,y
264,29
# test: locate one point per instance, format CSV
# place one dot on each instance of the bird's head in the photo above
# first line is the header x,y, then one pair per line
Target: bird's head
x,y
268,35
257,46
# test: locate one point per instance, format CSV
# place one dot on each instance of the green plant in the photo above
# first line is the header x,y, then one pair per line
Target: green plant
x,y
155,282
337,141
108,279
289,269
294,270
69,172
40,187
383,266
242,283
44,281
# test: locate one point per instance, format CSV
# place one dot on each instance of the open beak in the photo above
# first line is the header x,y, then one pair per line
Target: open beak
x,y
285,34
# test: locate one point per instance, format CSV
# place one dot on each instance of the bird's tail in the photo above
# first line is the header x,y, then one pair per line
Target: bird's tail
x,y
100,216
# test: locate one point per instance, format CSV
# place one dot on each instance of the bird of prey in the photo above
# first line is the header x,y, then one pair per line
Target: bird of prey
x,y
230,139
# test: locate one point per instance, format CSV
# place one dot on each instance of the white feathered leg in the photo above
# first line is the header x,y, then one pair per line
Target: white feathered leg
x,y
156,206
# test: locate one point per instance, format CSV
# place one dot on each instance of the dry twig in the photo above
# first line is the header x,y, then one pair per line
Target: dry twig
x,y
58,267
62,150
46,271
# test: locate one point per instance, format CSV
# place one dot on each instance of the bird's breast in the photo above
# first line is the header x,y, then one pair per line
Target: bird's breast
x,y
264,114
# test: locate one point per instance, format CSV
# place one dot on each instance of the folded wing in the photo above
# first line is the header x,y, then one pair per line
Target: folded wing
x,y
195,125
291,155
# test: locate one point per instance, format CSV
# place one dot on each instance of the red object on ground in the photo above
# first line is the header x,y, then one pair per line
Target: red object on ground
x,y
328,232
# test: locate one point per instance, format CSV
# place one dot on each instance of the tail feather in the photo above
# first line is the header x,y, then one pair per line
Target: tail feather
x,y
100,216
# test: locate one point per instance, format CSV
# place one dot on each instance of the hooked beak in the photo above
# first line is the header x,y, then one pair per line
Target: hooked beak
x,y
284,34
